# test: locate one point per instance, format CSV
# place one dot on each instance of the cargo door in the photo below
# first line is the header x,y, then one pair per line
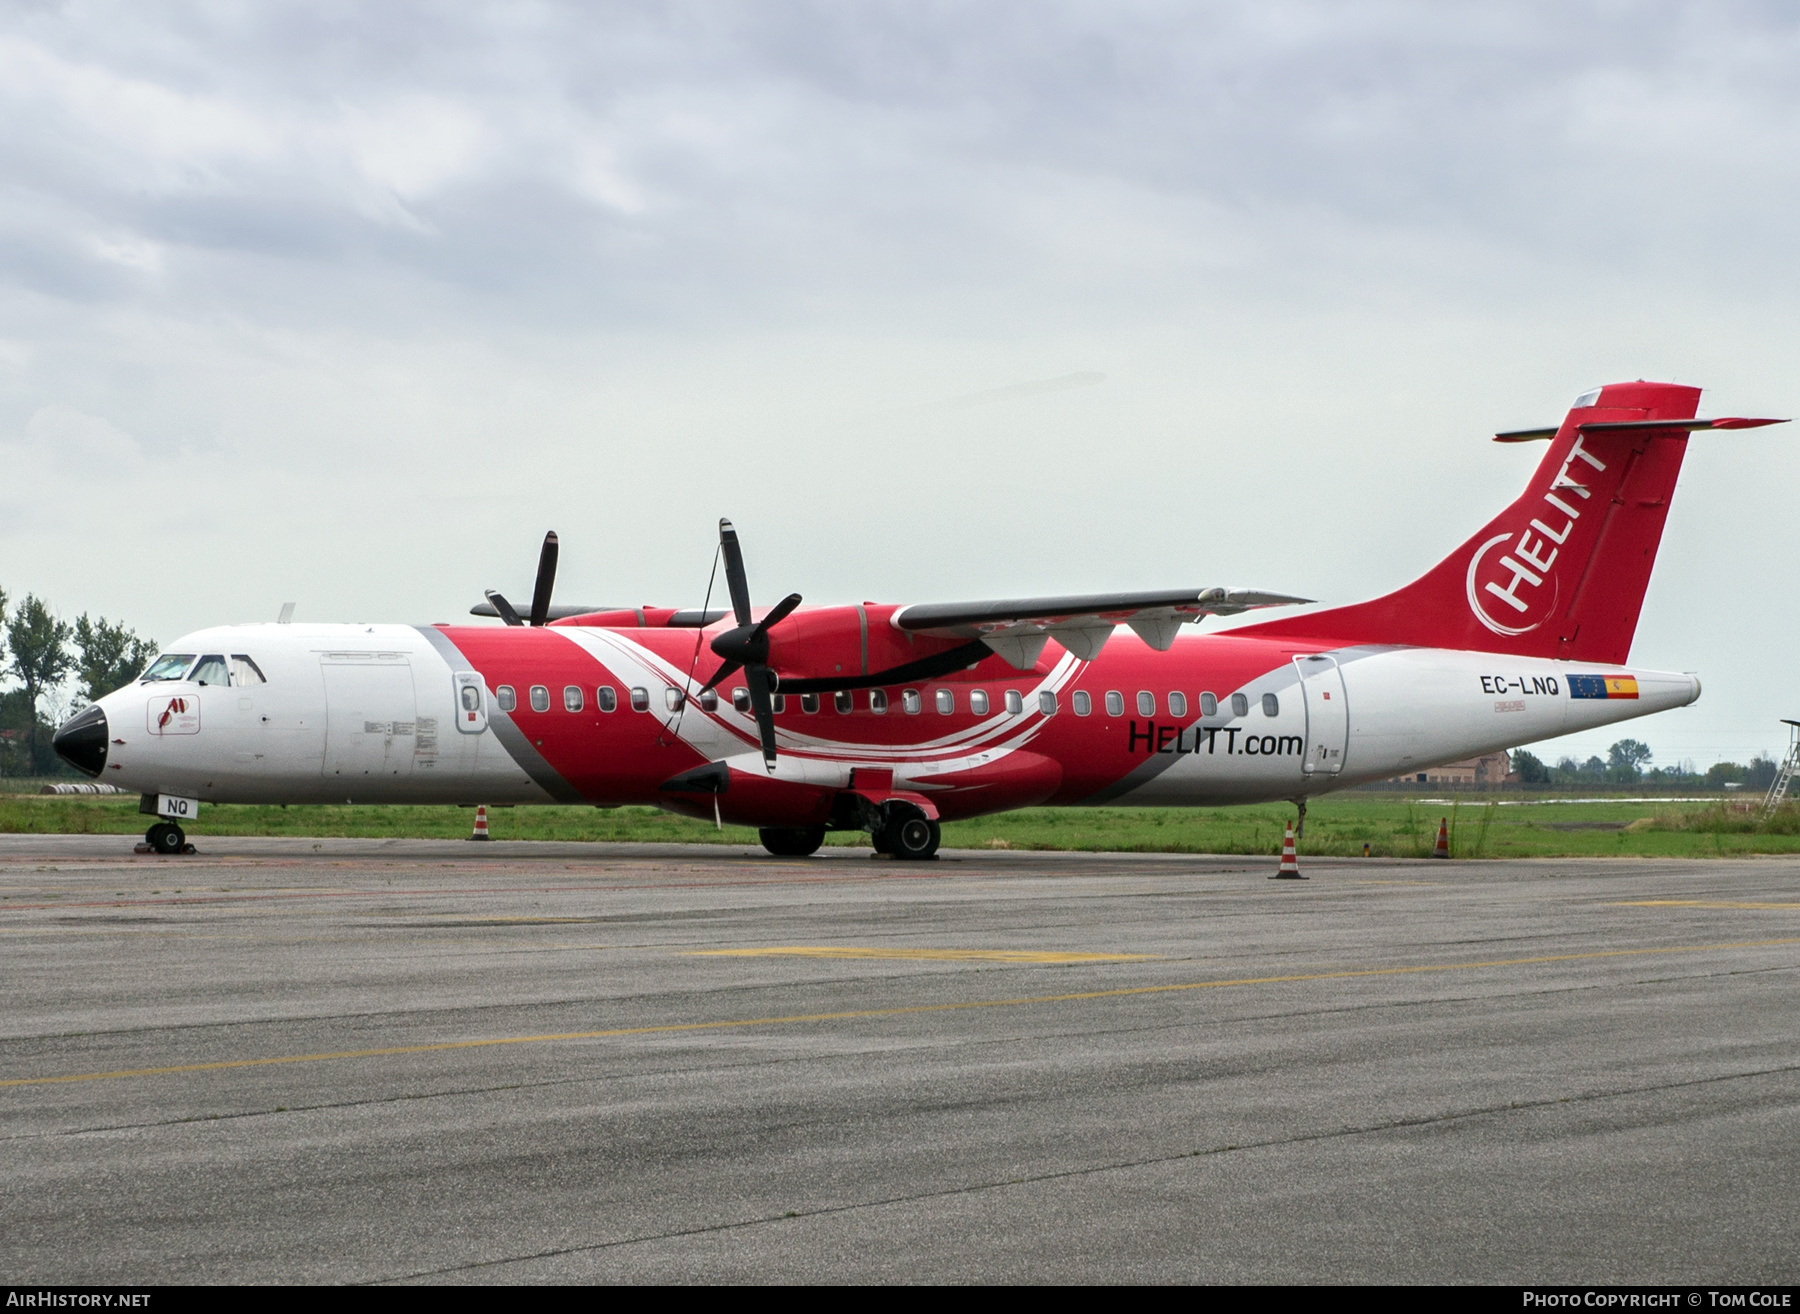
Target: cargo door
x,y
1327,715
371,715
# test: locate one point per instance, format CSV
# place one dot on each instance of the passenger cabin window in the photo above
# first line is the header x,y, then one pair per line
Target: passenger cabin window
x,y
740,698
505,698
1082,702
1146,703
1047,702
1014,703
640,700
211,670
843,701
471,698
572,698
674,699
978,701
1177,704
809,703
607,700
1209,705
778,704
1271,705
910,700
878,701
709,701
169,666
244,670
946,701
1240,705
1115,703
540,698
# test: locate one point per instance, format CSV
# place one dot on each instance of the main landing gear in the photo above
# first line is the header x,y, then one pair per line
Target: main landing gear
x,y
905,832
899,830
167,838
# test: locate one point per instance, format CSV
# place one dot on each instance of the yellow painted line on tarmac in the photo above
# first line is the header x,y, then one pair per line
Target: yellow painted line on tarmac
x,y
921,955
1702,903
676,1028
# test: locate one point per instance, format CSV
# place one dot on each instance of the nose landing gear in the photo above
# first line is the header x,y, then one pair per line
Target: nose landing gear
x,y
167,838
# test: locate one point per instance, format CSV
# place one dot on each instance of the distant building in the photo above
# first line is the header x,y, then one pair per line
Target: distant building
x,y
1492,769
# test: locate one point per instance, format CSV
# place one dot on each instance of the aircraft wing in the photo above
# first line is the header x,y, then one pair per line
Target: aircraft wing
x,y
1018,628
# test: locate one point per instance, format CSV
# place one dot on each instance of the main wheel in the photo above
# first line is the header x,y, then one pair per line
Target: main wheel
x,y
916,839
166,838
883,840
789,843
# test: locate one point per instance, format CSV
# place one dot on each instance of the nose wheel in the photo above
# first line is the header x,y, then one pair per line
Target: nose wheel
x,y
168,838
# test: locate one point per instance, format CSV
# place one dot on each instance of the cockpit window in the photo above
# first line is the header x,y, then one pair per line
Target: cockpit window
x,y
211,670
1588,399
245,671
169,666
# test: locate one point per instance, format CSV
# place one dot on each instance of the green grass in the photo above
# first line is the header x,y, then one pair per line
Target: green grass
x,y
1341,825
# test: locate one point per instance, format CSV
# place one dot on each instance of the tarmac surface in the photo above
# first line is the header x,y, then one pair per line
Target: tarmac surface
x,y
364,1061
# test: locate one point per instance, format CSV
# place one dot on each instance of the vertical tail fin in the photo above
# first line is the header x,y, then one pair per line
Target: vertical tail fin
x,y
1562,571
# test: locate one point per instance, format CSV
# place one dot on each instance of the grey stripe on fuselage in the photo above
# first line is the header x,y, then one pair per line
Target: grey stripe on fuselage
x,y
511,738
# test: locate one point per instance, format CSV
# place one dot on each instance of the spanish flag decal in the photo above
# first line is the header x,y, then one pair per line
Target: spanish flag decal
x,y
1603,686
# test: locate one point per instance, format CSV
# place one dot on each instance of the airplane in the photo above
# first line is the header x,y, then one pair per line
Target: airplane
x,y
893,718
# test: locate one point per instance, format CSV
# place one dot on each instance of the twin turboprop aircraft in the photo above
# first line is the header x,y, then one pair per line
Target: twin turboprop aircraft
x,y
891,719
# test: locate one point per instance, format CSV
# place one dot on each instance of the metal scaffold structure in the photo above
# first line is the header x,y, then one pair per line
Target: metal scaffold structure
x,y
1790,765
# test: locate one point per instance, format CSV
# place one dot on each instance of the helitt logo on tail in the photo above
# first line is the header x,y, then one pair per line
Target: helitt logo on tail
x,y
1519,582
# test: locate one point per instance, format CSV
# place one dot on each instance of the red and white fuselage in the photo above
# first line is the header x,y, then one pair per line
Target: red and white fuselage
x,y
380,714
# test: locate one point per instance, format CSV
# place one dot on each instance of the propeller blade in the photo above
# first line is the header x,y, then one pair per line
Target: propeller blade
x,y
765,711
546,579
734,572
778,613
724,672
504,607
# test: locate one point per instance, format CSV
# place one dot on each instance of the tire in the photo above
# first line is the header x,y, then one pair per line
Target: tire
x,y
152,835
787,843
883,840
168,838
915,839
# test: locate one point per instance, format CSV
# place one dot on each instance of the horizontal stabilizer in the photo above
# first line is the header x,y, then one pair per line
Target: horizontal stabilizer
x,y
1637,426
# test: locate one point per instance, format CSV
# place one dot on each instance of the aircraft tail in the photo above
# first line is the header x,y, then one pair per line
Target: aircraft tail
x,y
1562,571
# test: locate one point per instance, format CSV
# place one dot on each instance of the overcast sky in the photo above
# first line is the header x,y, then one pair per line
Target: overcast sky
x,y
347,303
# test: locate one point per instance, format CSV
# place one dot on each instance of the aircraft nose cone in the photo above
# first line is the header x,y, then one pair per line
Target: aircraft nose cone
x,y
81,742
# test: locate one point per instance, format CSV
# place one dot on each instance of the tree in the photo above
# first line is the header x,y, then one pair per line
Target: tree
x,y
1760,774
1530,767
40,659
111,656
1626,759
1720,773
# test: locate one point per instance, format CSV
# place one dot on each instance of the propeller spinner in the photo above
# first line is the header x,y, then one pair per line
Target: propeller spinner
x,y
746,647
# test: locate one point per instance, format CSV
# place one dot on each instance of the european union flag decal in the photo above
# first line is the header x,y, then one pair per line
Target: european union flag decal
x,y
1603,686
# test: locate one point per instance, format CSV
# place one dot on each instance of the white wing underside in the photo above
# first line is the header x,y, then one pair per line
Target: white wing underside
x,y
1018,630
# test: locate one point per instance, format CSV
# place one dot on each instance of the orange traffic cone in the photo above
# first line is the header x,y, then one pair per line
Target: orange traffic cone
x,y
480,823
1443,841
1290,861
